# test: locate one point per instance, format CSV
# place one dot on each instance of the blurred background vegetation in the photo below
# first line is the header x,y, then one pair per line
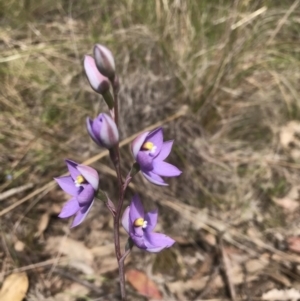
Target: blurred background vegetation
x,y
233,64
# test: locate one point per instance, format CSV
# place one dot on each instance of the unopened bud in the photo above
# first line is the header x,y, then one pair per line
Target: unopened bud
x,y
98,82
103,130
104,61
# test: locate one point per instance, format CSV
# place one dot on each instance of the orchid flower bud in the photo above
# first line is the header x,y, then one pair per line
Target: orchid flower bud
x,y
103,130
98,82
104,61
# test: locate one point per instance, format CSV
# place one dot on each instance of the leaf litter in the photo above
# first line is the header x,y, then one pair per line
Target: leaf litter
x,y
14,287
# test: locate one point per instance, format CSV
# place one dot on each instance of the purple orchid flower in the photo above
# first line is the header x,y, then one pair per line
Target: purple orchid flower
x,y
103,130
82,185
150,151
139,226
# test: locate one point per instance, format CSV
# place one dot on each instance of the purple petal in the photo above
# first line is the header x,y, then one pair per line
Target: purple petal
x,y
90,174
165,169
151,218
156,137
125,220
67,185
156,242
81,215
139,241
165,150
96,126
98,82
109,134
138,231
137,144
86,196
144,160
89,126
69,209
154,178
136,209
72,167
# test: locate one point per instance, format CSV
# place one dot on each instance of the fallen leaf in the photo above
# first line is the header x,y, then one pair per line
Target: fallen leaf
x,y
80,257
14,287
278,277
143,284
72,248
287,204
19,246
43,224
82,267
72,293
294,244
288,133
183,241
204,268
210,239
290,201
289,138
55,209
103,250
282,295
253,268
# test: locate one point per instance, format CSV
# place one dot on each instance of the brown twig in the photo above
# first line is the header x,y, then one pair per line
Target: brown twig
x,y
210,281
226,269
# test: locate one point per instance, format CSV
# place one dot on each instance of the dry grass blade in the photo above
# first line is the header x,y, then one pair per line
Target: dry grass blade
x,y
249,18
47,186
6,194
283,20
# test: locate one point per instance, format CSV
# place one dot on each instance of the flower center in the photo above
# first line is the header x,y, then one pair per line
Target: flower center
x,y
79,180
140,222
149,146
